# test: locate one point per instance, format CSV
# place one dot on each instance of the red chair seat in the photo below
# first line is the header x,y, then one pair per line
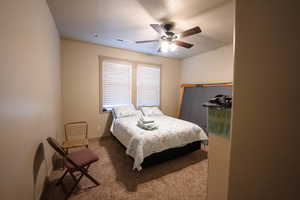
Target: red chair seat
x,y
81,158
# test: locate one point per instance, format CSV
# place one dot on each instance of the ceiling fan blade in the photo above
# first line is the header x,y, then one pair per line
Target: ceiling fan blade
x,y
158,28
145,41
183,44
191,31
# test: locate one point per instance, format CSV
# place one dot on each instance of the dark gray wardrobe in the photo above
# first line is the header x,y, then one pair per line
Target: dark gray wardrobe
x,y
193,98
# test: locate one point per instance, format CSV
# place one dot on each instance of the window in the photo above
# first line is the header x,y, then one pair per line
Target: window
x,y
148,85
116,83
128,82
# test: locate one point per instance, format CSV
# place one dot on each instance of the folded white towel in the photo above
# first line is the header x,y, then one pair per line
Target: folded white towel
x,y
147,126
144,119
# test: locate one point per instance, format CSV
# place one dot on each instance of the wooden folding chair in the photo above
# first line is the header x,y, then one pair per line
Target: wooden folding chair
x,y
78,161
76,135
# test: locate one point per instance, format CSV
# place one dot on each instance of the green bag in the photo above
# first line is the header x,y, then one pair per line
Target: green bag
x,y
219,121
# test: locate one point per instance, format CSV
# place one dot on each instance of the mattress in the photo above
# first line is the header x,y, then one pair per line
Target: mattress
x,y
141,143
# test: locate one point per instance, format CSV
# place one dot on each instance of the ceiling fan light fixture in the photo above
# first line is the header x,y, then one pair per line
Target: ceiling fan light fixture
x,y
164,46
169,39
172,47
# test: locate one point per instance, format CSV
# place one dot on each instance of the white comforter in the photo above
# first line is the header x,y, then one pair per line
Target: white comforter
x,y
141,143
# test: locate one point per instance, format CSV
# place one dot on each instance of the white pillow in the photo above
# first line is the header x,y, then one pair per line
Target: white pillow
x,y
124,111
151,111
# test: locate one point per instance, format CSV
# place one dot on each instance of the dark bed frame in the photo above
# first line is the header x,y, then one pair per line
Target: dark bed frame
x,y
168,154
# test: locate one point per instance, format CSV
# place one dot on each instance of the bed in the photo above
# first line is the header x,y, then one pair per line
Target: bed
x,y
172,134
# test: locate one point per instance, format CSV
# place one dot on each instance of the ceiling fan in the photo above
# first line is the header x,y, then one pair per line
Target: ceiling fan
x,y
169,40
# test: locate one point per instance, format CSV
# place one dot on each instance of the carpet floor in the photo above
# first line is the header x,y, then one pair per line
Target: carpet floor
x,y
183,178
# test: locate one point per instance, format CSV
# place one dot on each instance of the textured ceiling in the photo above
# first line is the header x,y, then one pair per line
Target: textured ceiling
x,y
129,21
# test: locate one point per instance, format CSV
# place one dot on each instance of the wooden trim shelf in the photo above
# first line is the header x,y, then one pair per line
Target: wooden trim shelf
x,y
217,85
206,85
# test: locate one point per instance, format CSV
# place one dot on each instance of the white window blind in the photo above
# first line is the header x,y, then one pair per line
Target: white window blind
x,y
116,83
148,85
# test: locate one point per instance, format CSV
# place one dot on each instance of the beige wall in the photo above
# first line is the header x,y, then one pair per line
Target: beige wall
x,y
265,134
30,95
211,67
218,167
80,82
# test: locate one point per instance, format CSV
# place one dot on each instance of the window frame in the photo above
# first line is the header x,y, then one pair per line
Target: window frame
x,y
133,79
